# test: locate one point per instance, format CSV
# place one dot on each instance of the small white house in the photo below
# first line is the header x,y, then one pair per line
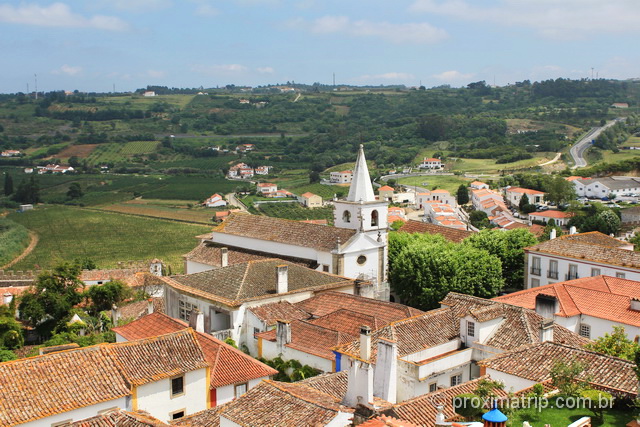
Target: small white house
x,y
430,163
344,177
215,201
560,218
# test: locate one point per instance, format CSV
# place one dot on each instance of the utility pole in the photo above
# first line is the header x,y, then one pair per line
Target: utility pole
x,y
334,79
35,77
591,73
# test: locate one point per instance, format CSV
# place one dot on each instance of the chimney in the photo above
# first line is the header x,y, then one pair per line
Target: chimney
x,y
7,298
365,342
546,330
440,415
386,370
196,320
115,314
635,304
546,305
224,257
573,230
150,306
283,333
282,279
552,234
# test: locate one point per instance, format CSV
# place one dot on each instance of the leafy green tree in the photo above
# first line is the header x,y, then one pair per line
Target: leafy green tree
x,y
104,296
524,201
559,190
479,219
551,225
48,303
290,370
608,222
28,191
314,177
598,401
75,191
395,225
508,247
463,195
7,355
564,376
425,270
615,344
468,405
8,184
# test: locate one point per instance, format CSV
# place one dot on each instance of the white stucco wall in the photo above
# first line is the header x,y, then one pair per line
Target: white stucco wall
x,y
155,398
601,326
225,394
81,413
196,267
434,351
270,350
511,382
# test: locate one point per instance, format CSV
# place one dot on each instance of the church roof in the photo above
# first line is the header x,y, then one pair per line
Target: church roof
x,y
284,231
361,188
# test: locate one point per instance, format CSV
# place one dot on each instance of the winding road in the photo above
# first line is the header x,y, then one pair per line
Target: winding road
x,y
578,150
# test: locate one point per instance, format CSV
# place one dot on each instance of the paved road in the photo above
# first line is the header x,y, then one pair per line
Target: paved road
x,y
233,201
577,151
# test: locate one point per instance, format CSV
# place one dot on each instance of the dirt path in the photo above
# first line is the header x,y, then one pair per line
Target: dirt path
x,y
27,251
555,159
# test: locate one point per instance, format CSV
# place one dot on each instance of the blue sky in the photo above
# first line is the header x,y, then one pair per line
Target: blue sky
x,y
90,45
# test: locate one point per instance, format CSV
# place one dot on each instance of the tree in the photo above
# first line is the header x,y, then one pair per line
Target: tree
x,y
597,401
75,191
47,304
608,222
8,184
7,355
551,225
524,201
395,225
103,297
508,247
28,191
559,190
564,376
314,177
463,195
616,344
424,270
479,219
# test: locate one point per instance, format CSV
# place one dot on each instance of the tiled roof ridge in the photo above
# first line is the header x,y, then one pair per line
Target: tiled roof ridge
x,y
537,248
94,347
404,308
417,317
299,396
595,233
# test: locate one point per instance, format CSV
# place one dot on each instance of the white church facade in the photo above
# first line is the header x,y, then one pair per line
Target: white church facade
x,y
355,247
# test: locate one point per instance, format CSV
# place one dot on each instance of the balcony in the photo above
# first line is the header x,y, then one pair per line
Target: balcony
x,y
223,334
552,274
571,276
535,271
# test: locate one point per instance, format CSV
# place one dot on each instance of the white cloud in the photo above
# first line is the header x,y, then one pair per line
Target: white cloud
x,y
156,74
265,70
557,19
414,33
221,69
68,70
207,10
57,15
453,76
138,5
395,76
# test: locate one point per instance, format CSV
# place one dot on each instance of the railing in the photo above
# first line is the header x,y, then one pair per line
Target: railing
x,y
535,271
571,276
552,275
222,335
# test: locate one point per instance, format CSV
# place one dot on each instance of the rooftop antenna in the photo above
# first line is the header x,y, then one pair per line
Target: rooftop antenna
x,y
591,73
35,77
27,88
334,79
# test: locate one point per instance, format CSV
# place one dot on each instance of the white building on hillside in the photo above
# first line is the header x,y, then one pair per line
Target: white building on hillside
x,y
607,186
343,177
430,163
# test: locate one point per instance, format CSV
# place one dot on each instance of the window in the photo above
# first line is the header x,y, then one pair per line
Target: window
x,y
456,379
177,415
346,216
185,309
573,272
361,259
553,269
433,387
240,389
374,218
620,275
325,268
535,266
535,283
595,272
256,331
177,386
585,330
471,329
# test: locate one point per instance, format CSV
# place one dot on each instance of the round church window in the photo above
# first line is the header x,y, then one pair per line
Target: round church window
x,y
362,259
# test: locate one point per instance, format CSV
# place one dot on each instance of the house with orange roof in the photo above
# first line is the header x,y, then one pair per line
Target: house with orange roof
x,y
265,188
215,201
430,163
560,218
310,200
479,185
589,306
385,193
232,372
342,177
574,256
514,194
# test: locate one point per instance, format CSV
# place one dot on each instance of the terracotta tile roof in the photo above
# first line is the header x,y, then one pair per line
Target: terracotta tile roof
x,y
476,183
384,420
282,310
534,363
137,309
551,214
120,418
284,231
236,284
291,404
208,417
329,302
334,383
440,191
315,221
422,410
346,321
385,188
603,297
451,234
312,339
537,230
524,191
595,238
112,274
210,254
573,178
567,246
307,195
151,359
228,365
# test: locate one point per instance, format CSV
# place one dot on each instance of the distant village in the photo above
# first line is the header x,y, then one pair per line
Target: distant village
x,y
199,350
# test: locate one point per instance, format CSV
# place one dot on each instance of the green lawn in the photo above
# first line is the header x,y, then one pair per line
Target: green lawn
x,y
563,417
14,238
295,211
490,165
67,233
446,182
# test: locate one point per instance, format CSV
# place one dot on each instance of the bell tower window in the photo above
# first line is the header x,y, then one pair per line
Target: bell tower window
x,y
346,216
374,218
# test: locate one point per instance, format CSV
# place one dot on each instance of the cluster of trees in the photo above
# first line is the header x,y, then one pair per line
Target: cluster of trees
x,y
595,217
558,190
423,268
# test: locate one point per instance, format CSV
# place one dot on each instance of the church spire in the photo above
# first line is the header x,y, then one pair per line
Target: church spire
x,y
361,188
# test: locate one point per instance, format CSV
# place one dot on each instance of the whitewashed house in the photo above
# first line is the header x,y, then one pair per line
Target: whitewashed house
x,y
266,188
606,187
430,163
310,200
343,177
215,201
514,194
580,255
560,218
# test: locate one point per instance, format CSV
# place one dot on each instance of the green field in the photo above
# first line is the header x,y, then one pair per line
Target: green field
x,y
295,211
490,165
181,210
143,102
114,153
14,238
446,182
67,233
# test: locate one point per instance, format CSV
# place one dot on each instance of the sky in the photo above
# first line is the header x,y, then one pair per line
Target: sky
x,y
94,45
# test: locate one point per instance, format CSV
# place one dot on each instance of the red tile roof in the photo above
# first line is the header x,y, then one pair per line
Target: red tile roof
x,y
451,234
552,214
120,418
385,188
282,310
228,365
524,191
384,420
603,297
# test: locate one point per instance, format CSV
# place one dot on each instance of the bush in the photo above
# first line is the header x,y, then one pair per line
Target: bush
x,y
469,405
597,401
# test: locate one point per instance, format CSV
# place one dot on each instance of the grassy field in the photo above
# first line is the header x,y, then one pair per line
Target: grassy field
x,y
168,209
294,211
67,233
324,191
14,238
490,165
144,103
564,417
611,157
446,182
